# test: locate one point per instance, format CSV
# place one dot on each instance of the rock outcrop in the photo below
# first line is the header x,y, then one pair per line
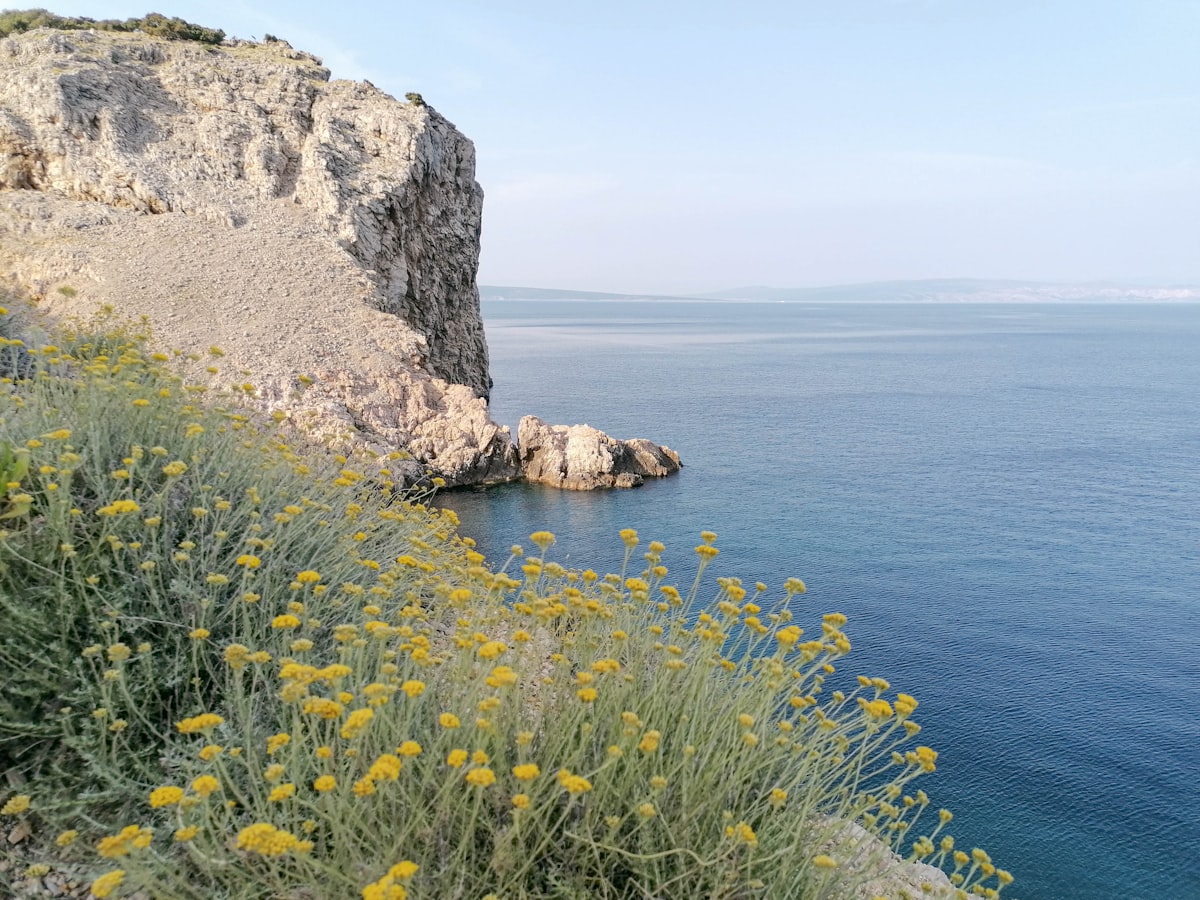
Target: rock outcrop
x,y
322,234
582,458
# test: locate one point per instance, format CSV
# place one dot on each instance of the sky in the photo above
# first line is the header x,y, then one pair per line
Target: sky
x,y
673,147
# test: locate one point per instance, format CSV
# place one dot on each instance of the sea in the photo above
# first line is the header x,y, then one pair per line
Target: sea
x,y
1004,499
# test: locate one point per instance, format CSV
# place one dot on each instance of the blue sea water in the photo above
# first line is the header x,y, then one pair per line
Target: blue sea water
x,y
1004,499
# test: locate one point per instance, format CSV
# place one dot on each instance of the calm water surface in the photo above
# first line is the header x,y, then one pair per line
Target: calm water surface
x,y
1005,500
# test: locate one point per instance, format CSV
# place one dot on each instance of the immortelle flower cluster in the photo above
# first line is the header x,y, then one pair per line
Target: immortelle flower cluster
x,y
285,680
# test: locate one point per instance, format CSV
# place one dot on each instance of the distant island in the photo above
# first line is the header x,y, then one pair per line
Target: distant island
x,y
935,290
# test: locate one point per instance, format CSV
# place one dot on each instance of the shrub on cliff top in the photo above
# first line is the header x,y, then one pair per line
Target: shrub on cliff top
x,y
290,688
173,29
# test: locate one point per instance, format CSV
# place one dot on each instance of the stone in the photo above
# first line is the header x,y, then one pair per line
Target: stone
x,y
580,457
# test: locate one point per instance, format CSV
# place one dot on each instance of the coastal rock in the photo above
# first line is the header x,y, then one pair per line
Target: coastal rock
x,y
320,236
876,870
582,458
235,197
155,126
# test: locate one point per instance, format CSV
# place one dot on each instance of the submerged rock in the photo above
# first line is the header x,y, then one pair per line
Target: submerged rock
x,y
583,458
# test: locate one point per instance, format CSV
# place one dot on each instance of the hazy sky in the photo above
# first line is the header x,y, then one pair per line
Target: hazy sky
x,y
665,145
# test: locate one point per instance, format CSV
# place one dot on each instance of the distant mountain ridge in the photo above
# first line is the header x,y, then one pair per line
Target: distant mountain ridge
x,y
934,290
504,292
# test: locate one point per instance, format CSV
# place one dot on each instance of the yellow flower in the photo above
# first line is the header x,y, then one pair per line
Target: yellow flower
x,y
119,653
324,752
587,695
282,792
308,576
788,636
649,741
480,777
778,797
876,709
456,759
501,676
205,785
925,757
364,787
413,688
16,805
249,561
404,870
448,720
107,883
66,838
526,772
61,434
276,741
824,861
167,795
741,832
201,723
265,839
199,634
273,773
647,811
119,844
491,649
629,537
285,621
325,783
409,748
573,784
356,722
520,801
385,768
117,508
543,539
177,467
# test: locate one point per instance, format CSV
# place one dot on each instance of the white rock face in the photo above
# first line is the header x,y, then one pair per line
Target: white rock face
x,y
154,126
582,458
322,234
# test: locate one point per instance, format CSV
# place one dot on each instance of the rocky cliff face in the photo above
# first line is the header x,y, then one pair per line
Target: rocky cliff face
x,y
324,235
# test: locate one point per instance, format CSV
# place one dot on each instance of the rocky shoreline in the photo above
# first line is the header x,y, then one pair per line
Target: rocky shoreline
x,y
321,234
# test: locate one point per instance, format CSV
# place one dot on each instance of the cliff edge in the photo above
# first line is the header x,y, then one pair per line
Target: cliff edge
x,y
322,234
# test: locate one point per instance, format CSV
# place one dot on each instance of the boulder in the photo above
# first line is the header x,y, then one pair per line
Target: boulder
x,y
583,458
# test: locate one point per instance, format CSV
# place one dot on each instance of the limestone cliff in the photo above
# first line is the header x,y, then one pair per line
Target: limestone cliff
x,y
323,234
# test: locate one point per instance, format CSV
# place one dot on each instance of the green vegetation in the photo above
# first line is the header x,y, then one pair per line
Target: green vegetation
x,y
239,670
173,29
